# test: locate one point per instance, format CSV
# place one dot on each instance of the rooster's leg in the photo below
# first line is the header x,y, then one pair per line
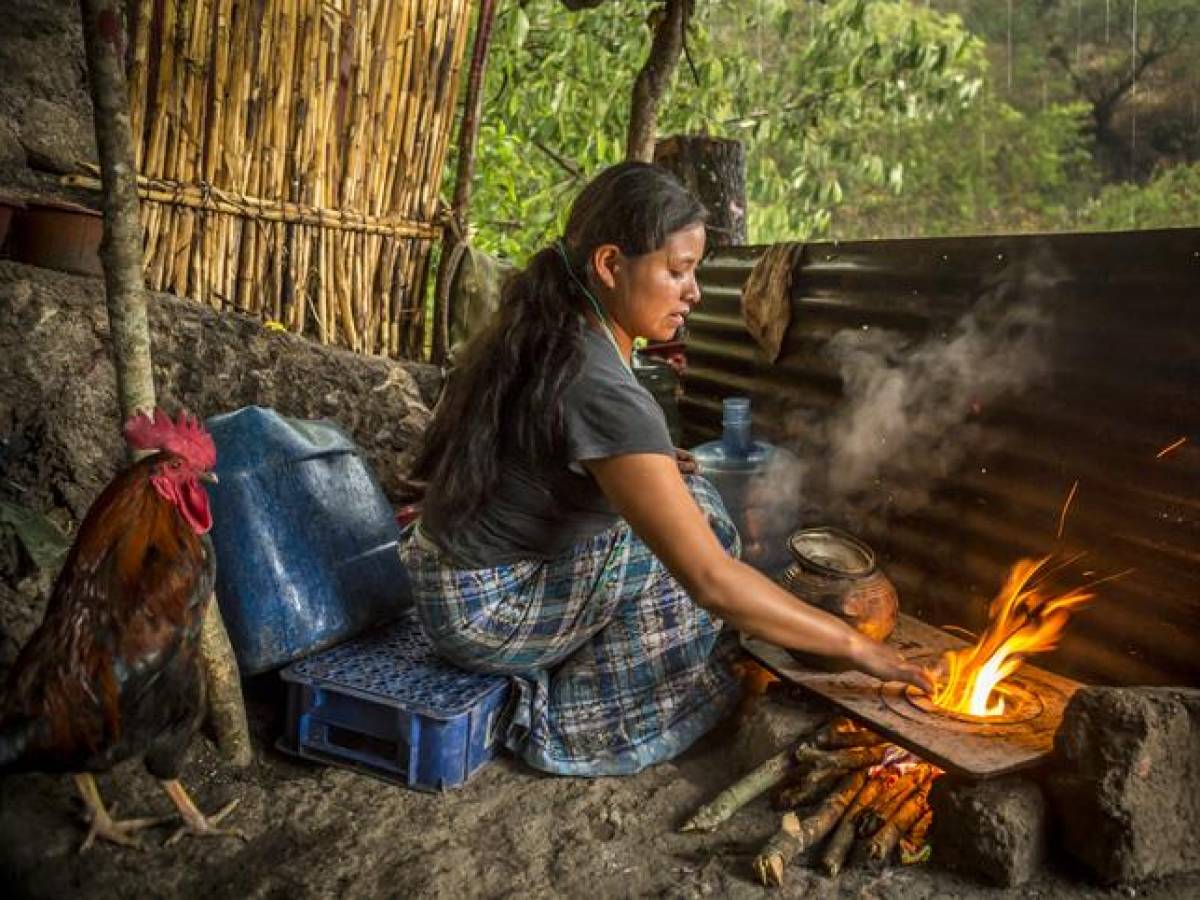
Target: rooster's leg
x,y
194,821
102,824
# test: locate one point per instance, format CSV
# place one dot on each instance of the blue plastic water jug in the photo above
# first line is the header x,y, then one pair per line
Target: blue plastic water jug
x,y
736,465
306,542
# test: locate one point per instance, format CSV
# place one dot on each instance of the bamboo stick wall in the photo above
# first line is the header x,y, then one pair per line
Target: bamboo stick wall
x,y
290,154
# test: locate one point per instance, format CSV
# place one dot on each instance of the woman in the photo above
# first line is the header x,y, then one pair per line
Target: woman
x,y
560,541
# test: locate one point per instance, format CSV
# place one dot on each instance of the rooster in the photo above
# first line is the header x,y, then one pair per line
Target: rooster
x,y
113,672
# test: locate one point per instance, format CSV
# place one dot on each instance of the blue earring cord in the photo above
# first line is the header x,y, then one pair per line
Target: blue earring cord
x,y
597,308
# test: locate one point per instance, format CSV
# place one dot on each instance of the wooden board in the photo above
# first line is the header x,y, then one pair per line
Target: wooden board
x,y
971,748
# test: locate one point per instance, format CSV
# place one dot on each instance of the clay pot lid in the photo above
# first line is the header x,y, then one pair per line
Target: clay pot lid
x,y
832,552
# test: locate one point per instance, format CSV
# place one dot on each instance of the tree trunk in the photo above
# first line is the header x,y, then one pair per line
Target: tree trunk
x,y
671,22
468,135
714,169
125,293
121,248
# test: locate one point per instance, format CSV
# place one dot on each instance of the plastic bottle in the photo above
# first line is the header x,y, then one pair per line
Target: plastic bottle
x,y
735,465
306,542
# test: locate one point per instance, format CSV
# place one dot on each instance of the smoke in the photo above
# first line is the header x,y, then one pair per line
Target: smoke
x,y
909,408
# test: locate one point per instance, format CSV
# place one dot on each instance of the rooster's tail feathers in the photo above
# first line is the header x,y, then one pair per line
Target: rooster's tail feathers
x,y
15,734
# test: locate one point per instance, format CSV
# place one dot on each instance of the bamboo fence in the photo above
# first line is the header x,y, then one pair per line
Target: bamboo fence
x,y
290,153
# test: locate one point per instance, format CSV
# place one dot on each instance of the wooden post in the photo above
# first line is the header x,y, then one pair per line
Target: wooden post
x,y
454,232
125,293
714,169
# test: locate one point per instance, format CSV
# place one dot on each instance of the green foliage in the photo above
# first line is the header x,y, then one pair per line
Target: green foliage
x,y
555,110
796,82
1172,199
861,118
985,169
802,93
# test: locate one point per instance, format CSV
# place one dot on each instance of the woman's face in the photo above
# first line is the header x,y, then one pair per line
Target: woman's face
x,y
651,295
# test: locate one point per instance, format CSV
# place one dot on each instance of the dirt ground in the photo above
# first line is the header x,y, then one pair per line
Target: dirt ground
x,y
510,832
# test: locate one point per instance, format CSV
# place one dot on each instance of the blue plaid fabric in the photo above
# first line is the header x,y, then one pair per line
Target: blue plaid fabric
x,y
614,668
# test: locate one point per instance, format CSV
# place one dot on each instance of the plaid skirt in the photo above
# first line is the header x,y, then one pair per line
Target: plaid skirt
x,y
614,668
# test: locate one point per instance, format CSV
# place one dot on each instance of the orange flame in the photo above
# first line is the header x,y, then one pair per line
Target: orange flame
x,y
1023,619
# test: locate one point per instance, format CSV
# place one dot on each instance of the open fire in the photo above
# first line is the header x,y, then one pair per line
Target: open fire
x,y
1025,618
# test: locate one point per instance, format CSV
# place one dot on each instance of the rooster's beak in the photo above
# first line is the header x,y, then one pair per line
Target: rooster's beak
x,y
210,477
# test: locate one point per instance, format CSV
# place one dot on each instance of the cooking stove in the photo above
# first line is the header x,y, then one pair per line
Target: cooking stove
x,y
967,745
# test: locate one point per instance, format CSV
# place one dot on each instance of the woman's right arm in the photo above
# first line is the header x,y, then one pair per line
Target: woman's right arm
x,y
650,494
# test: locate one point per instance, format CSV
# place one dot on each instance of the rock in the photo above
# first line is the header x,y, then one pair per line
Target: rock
x,y
771,725
59,440
1126,781
56,138
12,154
991,830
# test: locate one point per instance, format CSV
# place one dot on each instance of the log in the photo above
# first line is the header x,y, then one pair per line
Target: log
x,y
714,170
222,681
125,293
796,835
849,758
841,734
880,847
738,794
899,791
808,786
914,846
839,845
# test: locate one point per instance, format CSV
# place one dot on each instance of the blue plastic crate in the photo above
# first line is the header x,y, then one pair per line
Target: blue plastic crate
x,y
386,705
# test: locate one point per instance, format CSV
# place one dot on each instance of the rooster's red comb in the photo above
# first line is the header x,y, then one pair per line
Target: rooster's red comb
x,y
185,437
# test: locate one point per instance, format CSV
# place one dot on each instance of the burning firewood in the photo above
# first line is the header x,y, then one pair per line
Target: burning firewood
x,y
842,733
888,802
818,769
738,794
914,846
839,845
796,835
848,759
880,847
805,785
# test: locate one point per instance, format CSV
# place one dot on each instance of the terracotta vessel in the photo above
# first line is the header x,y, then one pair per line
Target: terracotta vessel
x,y
59,235
838,573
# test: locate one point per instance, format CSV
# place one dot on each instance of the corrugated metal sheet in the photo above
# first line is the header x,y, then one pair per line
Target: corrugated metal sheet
x,y
1123,382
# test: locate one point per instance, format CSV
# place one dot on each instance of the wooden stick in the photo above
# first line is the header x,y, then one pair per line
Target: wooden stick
x,y
217,200
839,845
738,794
849,758
806,785
796,835
914,846
880,847
873,819
845,733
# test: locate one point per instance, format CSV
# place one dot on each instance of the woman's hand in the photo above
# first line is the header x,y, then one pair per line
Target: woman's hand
x,y
887,664
686,462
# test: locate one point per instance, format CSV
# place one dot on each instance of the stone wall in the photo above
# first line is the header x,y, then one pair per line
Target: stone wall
x,y
59,436
45,112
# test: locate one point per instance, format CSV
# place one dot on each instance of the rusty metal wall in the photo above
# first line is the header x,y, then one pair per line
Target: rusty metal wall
x,y
1124,382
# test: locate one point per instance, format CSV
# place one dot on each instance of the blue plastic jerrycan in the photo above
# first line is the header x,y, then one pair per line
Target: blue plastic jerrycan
x,y
306,542
737,465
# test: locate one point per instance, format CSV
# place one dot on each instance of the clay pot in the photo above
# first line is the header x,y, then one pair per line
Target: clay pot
x,y
838,573
54,234
9,206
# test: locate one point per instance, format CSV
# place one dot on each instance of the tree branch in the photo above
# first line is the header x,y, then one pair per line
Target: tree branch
x,y
670,24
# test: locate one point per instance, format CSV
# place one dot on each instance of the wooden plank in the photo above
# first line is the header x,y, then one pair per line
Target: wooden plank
x,y
967,747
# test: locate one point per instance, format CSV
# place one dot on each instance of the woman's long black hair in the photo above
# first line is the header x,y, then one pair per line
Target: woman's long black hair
x,y
505,400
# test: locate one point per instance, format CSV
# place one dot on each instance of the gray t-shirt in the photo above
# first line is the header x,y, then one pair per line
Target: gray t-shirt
x,y
542,514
